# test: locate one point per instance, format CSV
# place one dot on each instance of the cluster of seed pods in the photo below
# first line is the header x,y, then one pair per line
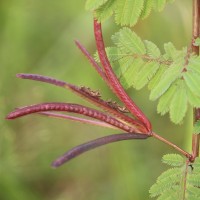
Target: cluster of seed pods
x,y
134,125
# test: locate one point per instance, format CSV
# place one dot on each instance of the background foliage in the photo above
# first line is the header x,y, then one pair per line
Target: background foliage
x,y
37,37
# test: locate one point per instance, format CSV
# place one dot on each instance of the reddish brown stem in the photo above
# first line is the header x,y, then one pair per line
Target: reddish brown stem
x,y
186,154
74,108
113,81
76,151
195,49
77,90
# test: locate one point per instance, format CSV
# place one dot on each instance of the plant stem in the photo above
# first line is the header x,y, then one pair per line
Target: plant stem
x,y
195,49
186,154
185,179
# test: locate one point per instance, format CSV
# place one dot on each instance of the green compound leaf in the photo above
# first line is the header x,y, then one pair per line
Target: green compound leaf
x,y
171,79
166,181
148,5
152,50
170,75
155,80
173,194
178,105
94,4
170,50
194,191
192,80
145,74
180,182
174,160
196,165
129,76
165,100
193,99
159,4
194,179
128,11
193,64
128,42
105,10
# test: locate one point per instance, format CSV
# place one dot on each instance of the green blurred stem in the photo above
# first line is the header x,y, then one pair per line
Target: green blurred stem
x,y
195,49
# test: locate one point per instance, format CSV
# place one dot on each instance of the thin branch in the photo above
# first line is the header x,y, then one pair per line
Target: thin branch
x,y
181,151
185,179
195,49
195,28
114,82
86,94
74,108
76,151
77,119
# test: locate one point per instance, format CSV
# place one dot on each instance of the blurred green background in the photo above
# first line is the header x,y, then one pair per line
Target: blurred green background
x,y
37,37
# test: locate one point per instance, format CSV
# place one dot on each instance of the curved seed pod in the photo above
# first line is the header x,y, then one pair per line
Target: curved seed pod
x,y
76,151
113,81
93,99
75,108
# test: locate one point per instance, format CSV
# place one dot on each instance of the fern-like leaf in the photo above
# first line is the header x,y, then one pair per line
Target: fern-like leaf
x,y
193,99
105,10
166,181
159,4
128,42
152,50
173,160
165,100
194,179
146,9
94,4
180,182
196,165
193,192
193,64
170,50
128,11
178,105
145,74
131,72
155,80
192,80
170,75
